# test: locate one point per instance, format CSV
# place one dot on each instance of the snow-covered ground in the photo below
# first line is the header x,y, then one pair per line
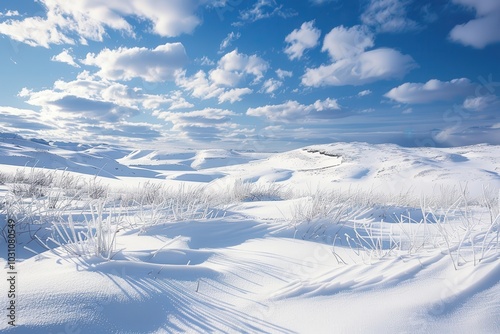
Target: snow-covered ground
x,y
340,238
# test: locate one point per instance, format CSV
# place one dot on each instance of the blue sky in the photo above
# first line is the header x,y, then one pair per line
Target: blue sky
x,y
254,74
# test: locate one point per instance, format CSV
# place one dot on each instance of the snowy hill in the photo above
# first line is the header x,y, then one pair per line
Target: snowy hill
x,y
383,168
100,160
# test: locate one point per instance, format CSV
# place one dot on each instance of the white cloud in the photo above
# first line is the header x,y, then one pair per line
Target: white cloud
x,y
364,93
174,101
479,103
282,74
152,65
271,85
228,41
197,117
428,15
9,13
198,85
320,2
89,96
292,111
222,82
273,128
69,22
177,101
24,120
468,135
263,9
302,39
234,95
90,108
328,104
352,65
287,112
367,67
43,124
432,90
205,61
208,124
65,57
253,64
73,107
123,132
388,16
36,31
233,66
484,29
343,42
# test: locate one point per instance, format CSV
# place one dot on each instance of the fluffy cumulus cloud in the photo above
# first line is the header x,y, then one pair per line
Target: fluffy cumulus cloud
x,y
367,67
65,57
293,111
69,22
484,29
153,65
90,87
328,104
341,42
352,64
388,16
431,91
302,39
36,31
93,109
198,85
233,66
93,104
223,81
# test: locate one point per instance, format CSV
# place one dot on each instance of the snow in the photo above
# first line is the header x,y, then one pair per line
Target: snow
x,y
251,266
188,161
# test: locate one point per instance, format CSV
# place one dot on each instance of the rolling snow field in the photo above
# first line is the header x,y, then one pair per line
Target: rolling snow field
x,y
338,238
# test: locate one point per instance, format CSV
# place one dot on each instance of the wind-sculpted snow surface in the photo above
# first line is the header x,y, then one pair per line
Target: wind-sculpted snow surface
x,y
340,238
237,275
